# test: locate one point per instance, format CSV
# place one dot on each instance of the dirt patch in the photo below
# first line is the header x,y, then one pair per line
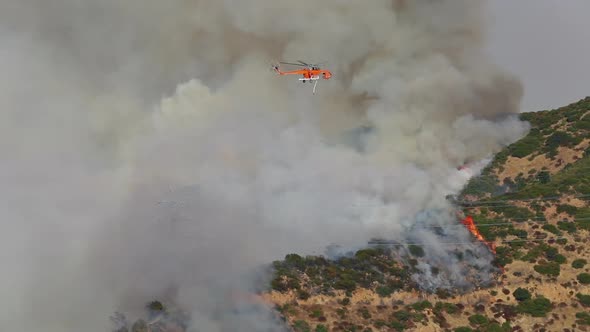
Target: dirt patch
x,y
565,156
515,166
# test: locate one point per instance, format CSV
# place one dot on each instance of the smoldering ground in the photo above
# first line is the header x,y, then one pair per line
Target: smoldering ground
x,y
114,195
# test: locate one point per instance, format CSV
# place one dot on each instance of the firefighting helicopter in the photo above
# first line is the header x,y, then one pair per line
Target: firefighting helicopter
x,y
310,72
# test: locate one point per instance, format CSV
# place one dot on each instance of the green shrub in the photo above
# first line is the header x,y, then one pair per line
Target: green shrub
x,y
584,299
278,285
293,283
520,233
402,316
583,224
478,319
365,254
345,284
583,124
560,138
295,261
384,291
579,263
569,209
495,327
421,305
551,252
345,301
551,229
535,251
506,327
515,212
553,255
398,326
566,226
481,185
419,317
155,306
316,313
560,259
583,318
550,269
529,144
302,295
301,326
365,313
584,278
434,270
321,328
521,294
443,293
379,323
503,256
450,308
583,212
538,307
543,177
416,250
463,329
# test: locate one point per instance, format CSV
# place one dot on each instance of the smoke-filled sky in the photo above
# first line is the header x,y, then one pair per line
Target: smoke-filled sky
x,y
148,151
544,42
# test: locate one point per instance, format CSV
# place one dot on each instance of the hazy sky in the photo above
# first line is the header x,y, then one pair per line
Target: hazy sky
x,y
547,44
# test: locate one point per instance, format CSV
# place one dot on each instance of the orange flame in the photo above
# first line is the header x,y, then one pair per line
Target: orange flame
x,y
468,222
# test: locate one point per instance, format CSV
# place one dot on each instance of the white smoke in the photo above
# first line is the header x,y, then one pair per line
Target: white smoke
x,y
114,195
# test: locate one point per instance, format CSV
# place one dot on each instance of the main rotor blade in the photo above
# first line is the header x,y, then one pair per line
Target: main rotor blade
x,y
305,64
294,64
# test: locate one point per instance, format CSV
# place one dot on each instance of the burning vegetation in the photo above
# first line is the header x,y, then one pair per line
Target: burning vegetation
x,y
386,268
539,242
535,225
468,222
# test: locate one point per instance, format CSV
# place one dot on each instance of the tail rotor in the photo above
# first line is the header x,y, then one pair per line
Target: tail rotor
x,y
273,66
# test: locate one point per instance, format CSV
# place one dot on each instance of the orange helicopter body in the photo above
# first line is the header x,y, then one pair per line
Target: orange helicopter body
x,y
310,72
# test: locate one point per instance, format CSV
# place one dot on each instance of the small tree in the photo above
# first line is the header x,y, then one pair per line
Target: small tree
x,y
551,269
321,328
538,307
521,294
579,263
544,177
584,299
384,291
416,250
302,294
301,326
156,306
478,319
583,318
463,329
584,278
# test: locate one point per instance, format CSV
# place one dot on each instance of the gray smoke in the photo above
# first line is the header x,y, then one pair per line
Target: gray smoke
x,y
148,150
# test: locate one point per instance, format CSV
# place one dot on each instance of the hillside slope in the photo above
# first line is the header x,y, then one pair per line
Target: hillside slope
x,y
531,201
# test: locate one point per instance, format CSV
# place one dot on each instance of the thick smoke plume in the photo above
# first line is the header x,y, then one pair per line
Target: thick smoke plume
x,y
148,150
